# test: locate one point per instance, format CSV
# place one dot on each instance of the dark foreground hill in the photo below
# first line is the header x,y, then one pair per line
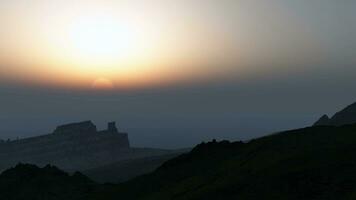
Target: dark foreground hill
x,y
29,182
310,163
127,169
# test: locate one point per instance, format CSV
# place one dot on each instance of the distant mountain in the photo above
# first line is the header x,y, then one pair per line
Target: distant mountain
x,y
345,116
74,147
315,163
29,182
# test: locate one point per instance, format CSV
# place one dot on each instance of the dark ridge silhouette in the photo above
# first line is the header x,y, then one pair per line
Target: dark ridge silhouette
x,y
203,150
125,170
314,163
30,182
344,117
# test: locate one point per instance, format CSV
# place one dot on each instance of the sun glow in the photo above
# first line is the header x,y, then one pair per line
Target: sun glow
x,y
133,45
101,38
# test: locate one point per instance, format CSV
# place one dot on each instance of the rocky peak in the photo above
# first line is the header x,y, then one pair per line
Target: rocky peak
x,y
343,117
323,121
112,127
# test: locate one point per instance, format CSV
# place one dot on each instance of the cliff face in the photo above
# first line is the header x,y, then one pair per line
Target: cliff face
x,y
76,128
73,146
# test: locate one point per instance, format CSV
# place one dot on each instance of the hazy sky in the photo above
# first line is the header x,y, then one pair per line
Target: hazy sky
x,y
173,73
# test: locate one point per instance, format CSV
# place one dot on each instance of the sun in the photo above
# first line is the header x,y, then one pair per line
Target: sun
x,y
103,84
101,38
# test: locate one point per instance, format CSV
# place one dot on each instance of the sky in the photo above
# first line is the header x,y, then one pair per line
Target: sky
x,y
175,73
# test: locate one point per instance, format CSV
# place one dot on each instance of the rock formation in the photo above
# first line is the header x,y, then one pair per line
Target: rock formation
x,y
72,146
323,121
76,128
344,117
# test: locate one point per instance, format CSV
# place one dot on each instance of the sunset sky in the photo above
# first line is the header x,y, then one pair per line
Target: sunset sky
x,y
168,69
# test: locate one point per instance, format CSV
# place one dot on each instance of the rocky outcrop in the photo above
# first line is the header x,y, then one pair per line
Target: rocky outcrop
x,y
76,128
344,117
323,121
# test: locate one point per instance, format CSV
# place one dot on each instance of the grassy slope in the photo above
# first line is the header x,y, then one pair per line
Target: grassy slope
x,y
310,163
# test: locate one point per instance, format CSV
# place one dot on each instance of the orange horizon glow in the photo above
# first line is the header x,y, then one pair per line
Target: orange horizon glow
x,y
70,45
83,79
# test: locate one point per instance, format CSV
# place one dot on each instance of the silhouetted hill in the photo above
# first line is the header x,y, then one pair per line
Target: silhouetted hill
x,y
127,169
314,163
345,116
29,182
310,163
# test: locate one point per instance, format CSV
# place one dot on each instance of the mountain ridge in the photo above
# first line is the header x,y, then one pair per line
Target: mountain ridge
x,y
313,163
